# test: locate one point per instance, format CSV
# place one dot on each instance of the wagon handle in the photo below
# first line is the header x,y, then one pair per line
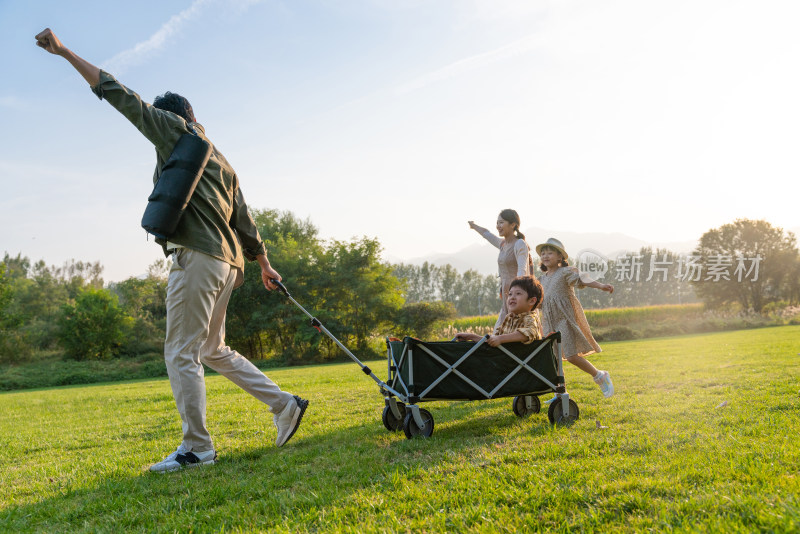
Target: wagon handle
x,y
321,328
281,287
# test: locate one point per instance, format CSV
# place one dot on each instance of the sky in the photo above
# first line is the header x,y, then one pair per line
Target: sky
x,y
401,120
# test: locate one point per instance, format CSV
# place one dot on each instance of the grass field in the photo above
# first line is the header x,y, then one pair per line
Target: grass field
x,y
702,436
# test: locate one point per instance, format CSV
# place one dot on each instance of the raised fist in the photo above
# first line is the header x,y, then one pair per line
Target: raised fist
x,y
47,39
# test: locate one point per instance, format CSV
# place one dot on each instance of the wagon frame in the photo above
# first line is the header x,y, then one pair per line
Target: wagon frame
x,y
493,372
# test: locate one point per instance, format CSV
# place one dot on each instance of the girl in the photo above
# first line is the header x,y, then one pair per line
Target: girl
x,y
562,312
514,259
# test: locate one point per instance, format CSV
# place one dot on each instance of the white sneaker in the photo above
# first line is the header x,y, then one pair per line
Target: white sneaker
x,y
184,458
289,419
603,379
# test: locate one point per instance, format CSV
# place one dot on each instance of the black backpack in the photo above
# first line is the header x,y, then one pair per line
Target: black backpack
x,y
175,185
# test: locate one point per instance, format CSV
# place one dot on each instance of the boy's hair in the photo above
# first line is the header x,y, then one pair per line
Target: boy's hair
x,y
175,103
531,286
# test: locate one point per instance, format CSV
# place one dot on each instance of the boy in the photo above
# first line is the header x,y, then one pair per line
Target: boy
x,y
522,322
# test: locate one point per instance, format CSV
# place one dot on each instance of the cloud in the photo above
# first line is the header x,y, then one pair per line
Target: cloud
x,y
508,10
141,51
520,46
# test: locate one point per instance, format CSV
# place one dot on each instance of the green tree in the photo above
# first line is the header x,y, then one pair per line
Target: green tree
x,y
93,327
38,293
470,293
792,290
5,293
38,299
75,276
448,284
644,278
420,319
360,294
422,282
16,267
747,261
12,346
344,284
477,294
260,323
144,301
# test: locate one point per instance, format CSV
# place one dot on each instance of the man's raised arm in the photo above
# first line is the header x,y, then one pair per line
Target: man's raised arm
x,y
47,39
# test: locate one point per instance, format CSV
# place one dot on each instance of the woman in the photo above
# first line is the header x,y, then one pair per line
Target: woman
x,y
514,258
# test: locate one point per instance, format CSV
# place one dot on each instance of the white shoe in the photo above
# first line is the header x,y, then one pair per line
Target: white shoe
x,y
603,379
184,458
289,419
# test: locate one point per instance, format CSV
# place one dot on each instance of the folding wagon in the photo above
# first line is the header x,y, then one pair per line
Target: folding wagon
x,y
423,371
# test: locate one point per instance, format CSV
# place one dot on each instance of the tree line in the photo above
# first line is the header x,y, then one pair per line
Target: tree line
x,y
358,297
470,293
352,292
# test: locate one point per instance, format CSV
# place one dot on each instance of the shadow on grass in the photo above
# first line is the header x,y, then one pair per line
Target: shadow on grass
x,y
260,487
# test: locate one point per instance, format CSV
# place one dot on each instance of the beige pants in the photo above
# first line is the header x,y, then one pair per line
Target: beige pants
x,y
198,292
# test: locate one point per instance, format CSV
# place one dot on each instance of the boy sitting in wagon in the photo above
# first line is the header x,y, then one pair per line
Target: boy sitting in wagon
x,y
522,323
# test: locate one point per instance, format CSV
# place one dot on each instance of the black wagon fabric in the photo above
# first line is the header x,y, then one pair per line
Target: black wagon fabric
x,y
487,367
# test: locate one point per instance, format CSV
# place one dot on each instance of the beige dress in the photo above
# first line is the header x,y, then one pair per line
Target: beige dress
x,y
562,312
512,261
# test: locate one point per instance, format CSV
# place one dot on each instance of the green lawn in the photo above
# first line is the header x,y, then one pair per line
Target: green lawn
x,y
671,459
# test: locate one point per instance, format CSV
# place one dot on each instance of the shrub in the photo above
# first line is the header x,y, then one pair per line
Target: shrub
x,y
93,327
14,346
663,329
616,333
774,307
422,318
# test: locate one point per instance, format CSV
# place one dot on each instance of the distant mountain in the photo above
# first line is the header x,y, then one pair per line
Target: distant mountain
x,y
483,257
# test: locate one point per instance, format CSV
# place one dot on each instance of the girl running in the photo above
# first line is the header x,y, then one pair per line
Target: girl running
x,y
562,312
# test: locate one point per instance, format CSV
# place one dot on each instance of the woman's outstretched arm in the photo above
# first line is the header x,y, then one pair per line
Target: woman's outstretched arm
x,y
487,235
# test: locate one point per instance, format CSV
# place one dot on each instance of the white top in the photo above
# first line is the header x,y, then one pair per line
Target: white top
x,y
520,252
511,263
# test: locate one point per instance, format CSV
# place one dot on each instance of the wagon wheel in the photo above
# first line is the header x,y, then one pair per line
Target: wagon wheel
x,y
556,414
392,423
520,406
410,425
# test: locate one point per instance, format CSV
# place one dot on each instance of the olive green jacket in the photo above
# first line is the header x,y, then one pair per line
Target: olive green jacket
x,y
216,221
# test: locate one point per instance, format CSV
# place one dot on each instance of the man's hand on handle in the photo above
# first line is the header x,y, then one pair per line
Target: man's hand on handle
x,y
268,273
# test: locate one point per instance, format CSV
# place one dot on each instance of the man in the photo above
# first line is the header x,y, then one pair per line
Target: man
x,y
213,238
